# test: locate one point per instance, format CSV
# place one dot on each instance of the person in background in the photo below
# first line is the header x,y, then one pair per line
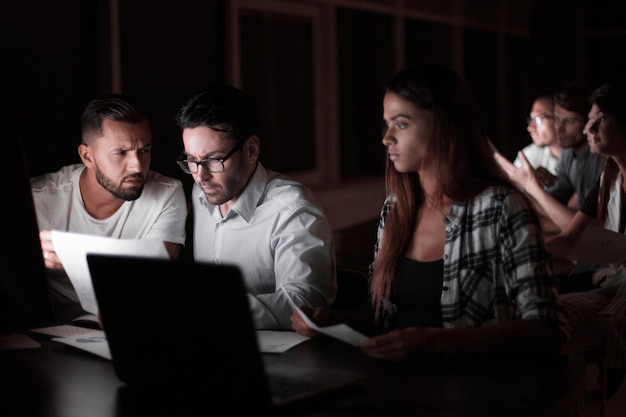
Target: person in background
x,y
459,263
577,169
244,214
113,192
544,150
605,205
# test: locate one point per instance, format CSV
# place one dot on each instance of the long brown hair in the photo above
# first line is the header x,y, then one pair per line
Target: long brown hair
x,y
461,153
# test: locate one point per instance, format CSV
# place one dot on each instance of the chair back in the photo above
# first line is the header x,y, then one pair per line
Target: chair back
x,y
352,288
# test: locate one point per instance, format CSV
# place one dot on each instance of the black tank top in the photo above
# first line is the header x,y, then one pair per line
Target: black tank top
x,y
416,293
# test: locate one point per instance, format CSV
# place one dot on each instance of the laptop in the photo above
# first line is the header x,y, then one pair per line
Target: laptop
x,y
184,329
24,294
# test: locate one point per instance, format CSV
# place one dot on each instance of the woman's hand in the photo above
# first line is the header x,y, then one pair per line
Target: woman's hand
x,y
523,177
399,345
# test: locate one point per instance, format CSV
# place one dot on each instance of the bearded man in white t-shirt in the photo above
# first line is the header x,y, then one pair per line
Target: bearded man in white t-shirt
x,y
112,193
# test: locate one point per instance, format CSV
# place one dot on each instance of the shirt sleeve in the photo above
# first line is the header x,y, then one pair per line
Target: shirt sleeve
x,y
384,212
525,262
169,225
590,205
562,189
304,264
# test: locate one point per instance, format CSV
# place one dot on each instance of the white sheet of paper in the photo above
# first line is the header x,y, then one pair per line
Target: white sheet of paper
x,y
599,245
278,341
72,250
94,342
341,331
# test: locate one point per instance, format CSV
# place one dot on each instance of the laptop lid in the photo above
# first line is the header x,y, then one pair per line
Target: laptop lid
x,y
24,293
185,328
180,327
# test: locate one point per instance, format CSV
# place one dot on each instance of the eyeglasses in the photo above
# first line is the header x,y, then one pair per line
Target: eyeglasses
x,y
538,119
213,165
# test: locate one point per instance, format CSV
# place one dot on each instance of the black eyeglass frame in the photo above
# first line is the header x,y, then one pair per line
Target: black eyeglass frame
x,y
183,163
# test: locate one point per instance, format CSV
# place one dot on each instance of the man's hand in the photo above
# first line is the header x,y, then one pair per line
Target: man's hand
x,y
51,260
318,315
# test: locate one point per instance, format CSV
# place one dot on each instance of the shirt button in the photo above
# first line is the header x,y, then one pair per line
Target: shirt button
x,y
448,229
445,257
216,260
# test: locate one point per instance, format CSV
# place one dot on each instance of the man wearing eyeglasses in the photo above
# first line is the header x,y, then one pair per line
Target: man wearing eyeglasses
x,y
578,169
544,151
243,214
113,192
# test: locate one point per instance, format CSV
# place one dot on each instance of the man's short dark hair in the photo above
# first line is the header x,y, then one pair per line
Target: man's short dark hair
x,y
116,107
574,97
223,108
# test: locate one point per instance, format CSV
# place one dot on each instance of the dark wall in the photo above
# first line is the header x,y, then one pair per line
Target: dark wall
x,y
49,71
554,46
55,59
168,54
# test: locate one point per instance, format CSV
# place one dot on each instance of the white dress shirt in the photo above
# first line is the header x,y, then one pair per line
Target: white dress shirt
x,y
278,235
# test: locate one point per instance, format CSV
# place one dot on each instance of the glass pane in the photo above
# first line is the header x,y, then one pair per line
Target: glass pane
x,y
605,57
482,11
365,61
427,43
277,53
518,96
603,15
481,73
518,14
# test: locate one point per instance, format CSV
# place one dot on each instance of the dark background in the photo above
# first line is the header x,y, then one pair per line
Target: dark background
x,y
55,58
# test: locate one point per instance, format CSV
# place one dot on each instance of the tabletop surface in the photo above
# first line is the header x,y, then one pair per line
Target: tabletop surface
x,y
58,380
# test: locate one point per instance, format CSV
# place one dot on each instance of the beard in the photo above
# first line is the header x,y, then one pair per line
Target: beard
x,y
128,193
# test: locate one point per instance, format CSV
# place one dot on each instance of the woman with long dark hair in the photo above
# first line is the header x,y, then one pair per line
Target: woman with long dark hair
x,y
459,264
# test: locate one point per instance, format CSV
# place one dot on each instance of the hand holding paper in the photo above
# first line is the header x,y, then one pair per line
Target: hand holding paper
x,y
341,331
72,249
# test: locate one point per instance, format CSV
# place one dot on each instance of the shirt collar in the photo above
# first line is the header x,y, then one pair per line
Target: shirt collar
x,y
249,199
251,196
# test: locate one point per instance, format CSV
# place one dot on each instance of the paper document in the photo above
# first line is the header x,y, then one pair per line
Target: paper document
x,y
278,341
94,342
72,250
599,245
342,331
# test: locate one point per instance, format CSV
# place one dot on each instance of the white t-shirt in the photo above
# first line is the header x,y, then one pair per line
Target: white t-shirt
x,y
160,213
